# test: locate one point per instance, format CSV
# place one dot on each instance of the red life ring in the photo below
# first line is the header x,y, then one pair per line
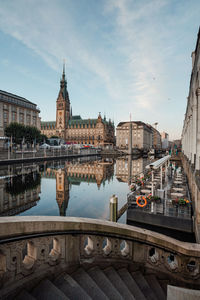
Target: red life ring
x,y
143,198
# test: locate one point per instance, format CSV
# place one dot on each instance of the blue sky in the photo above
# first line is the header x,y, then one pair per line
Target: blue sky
x,y
122,56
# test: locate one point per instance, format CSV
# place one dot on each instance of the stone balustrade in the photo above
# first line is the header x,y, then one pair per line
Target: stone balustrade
x,y
32,248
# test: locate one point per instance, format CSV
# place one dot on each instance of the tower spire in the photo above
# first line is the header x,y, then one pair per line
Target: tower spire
x,y
63,66
63,75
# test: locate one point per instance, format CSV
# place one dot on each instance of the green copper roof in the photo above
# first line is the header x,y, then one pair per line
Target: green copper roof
x,y
82,121
48,124
78,117
76,120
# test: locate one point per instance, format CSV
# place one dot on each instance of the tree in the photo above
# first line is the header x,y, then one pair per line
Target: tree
x,y
31,134
19,132
43,138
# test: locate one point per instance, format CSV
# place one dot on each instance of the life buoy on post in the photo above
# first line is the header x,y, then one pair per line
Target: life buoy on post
x,y
143,198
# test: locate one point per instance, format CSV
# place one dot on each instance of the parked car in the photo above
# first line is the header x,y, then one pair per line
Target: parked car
x,y
45,146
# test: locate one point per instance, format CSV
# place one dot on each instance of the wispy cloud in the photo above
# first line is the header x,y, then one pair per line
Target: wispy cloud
x,y
50,32
142,53
125,48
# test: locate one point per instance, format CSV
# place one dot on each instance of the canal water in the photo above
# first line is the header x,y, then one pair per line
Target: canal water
x,y
79,187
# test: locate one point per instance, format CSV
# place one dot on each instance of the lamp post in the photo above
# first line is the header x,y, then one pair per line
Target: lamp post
x,y
9,148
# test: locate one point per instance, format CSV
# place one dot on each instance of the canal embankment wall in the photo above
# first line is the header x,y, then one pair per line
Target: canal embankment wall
x,y
28,157
193,177
42,158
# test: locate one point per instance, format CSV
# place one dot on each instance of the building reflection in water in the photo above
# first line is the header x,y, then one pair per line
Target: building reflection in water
x,y
73,173
62,190
127,168
19,189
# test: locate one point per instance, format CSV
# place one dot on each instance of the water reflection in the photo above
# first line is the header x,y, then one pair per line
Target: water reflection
x,y
19,189
80,187
128,168
73,173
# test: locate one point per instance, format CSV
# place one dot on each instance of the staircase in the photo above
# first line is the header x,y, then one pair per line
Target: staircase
x,y
99,284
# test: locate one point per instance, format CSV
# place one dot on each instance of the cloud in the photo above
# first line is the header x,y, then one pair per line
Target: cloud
x,y
50,32
142,53
121,47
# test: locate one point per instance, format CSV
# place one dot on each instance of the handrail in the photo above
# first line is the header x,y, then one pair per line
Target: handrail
x,y
16,227
158,163
34,248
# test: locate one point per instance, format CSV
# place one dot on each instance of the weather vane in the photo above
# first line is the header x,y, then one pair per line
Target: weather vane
x,y
64,65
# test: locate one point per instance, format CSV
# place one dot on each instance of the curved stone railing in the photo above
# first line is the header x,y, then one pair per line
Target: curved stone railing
x,y
32,248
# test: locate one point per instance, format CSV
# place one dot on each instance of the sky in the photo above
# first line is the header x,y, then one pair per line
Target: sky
x,y
122,56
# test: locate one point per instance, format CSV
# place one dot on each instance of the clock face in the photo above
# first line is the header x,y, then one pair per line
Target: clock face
x,y
60,119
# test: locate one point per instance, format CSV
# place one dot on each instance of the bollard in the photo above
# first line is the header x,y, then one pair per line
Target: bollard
x,y
113,208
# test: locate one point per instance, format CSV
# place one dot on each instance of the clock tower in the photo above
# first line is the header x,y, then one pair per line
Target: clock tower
x,y
62,108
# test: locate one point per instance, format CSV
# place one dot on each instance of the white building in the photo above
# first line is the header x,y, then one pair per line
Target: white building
x,y
191,126
156,138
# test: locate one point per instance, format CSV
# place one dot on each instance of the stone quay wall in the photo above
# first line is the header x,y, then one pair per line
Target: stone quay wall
x,y
193,177
33,248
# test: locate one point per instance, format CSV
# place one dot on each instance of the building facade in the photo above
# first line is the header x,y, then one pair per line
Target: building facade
x,y
74,129
191,125
165,140
156,138
141,135
14,108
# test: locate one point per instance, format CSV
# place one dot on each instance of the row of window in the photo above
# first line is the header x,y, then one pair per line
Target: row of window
x,y
14,109
99,137
17,102
81,126
21,118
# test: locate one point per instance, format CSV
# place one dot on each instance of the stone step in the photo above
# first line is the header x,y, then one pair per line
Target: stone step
x,y
118,283
47,290
155,286
144,286
24,295
104,283
71,288
131,284
88,284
